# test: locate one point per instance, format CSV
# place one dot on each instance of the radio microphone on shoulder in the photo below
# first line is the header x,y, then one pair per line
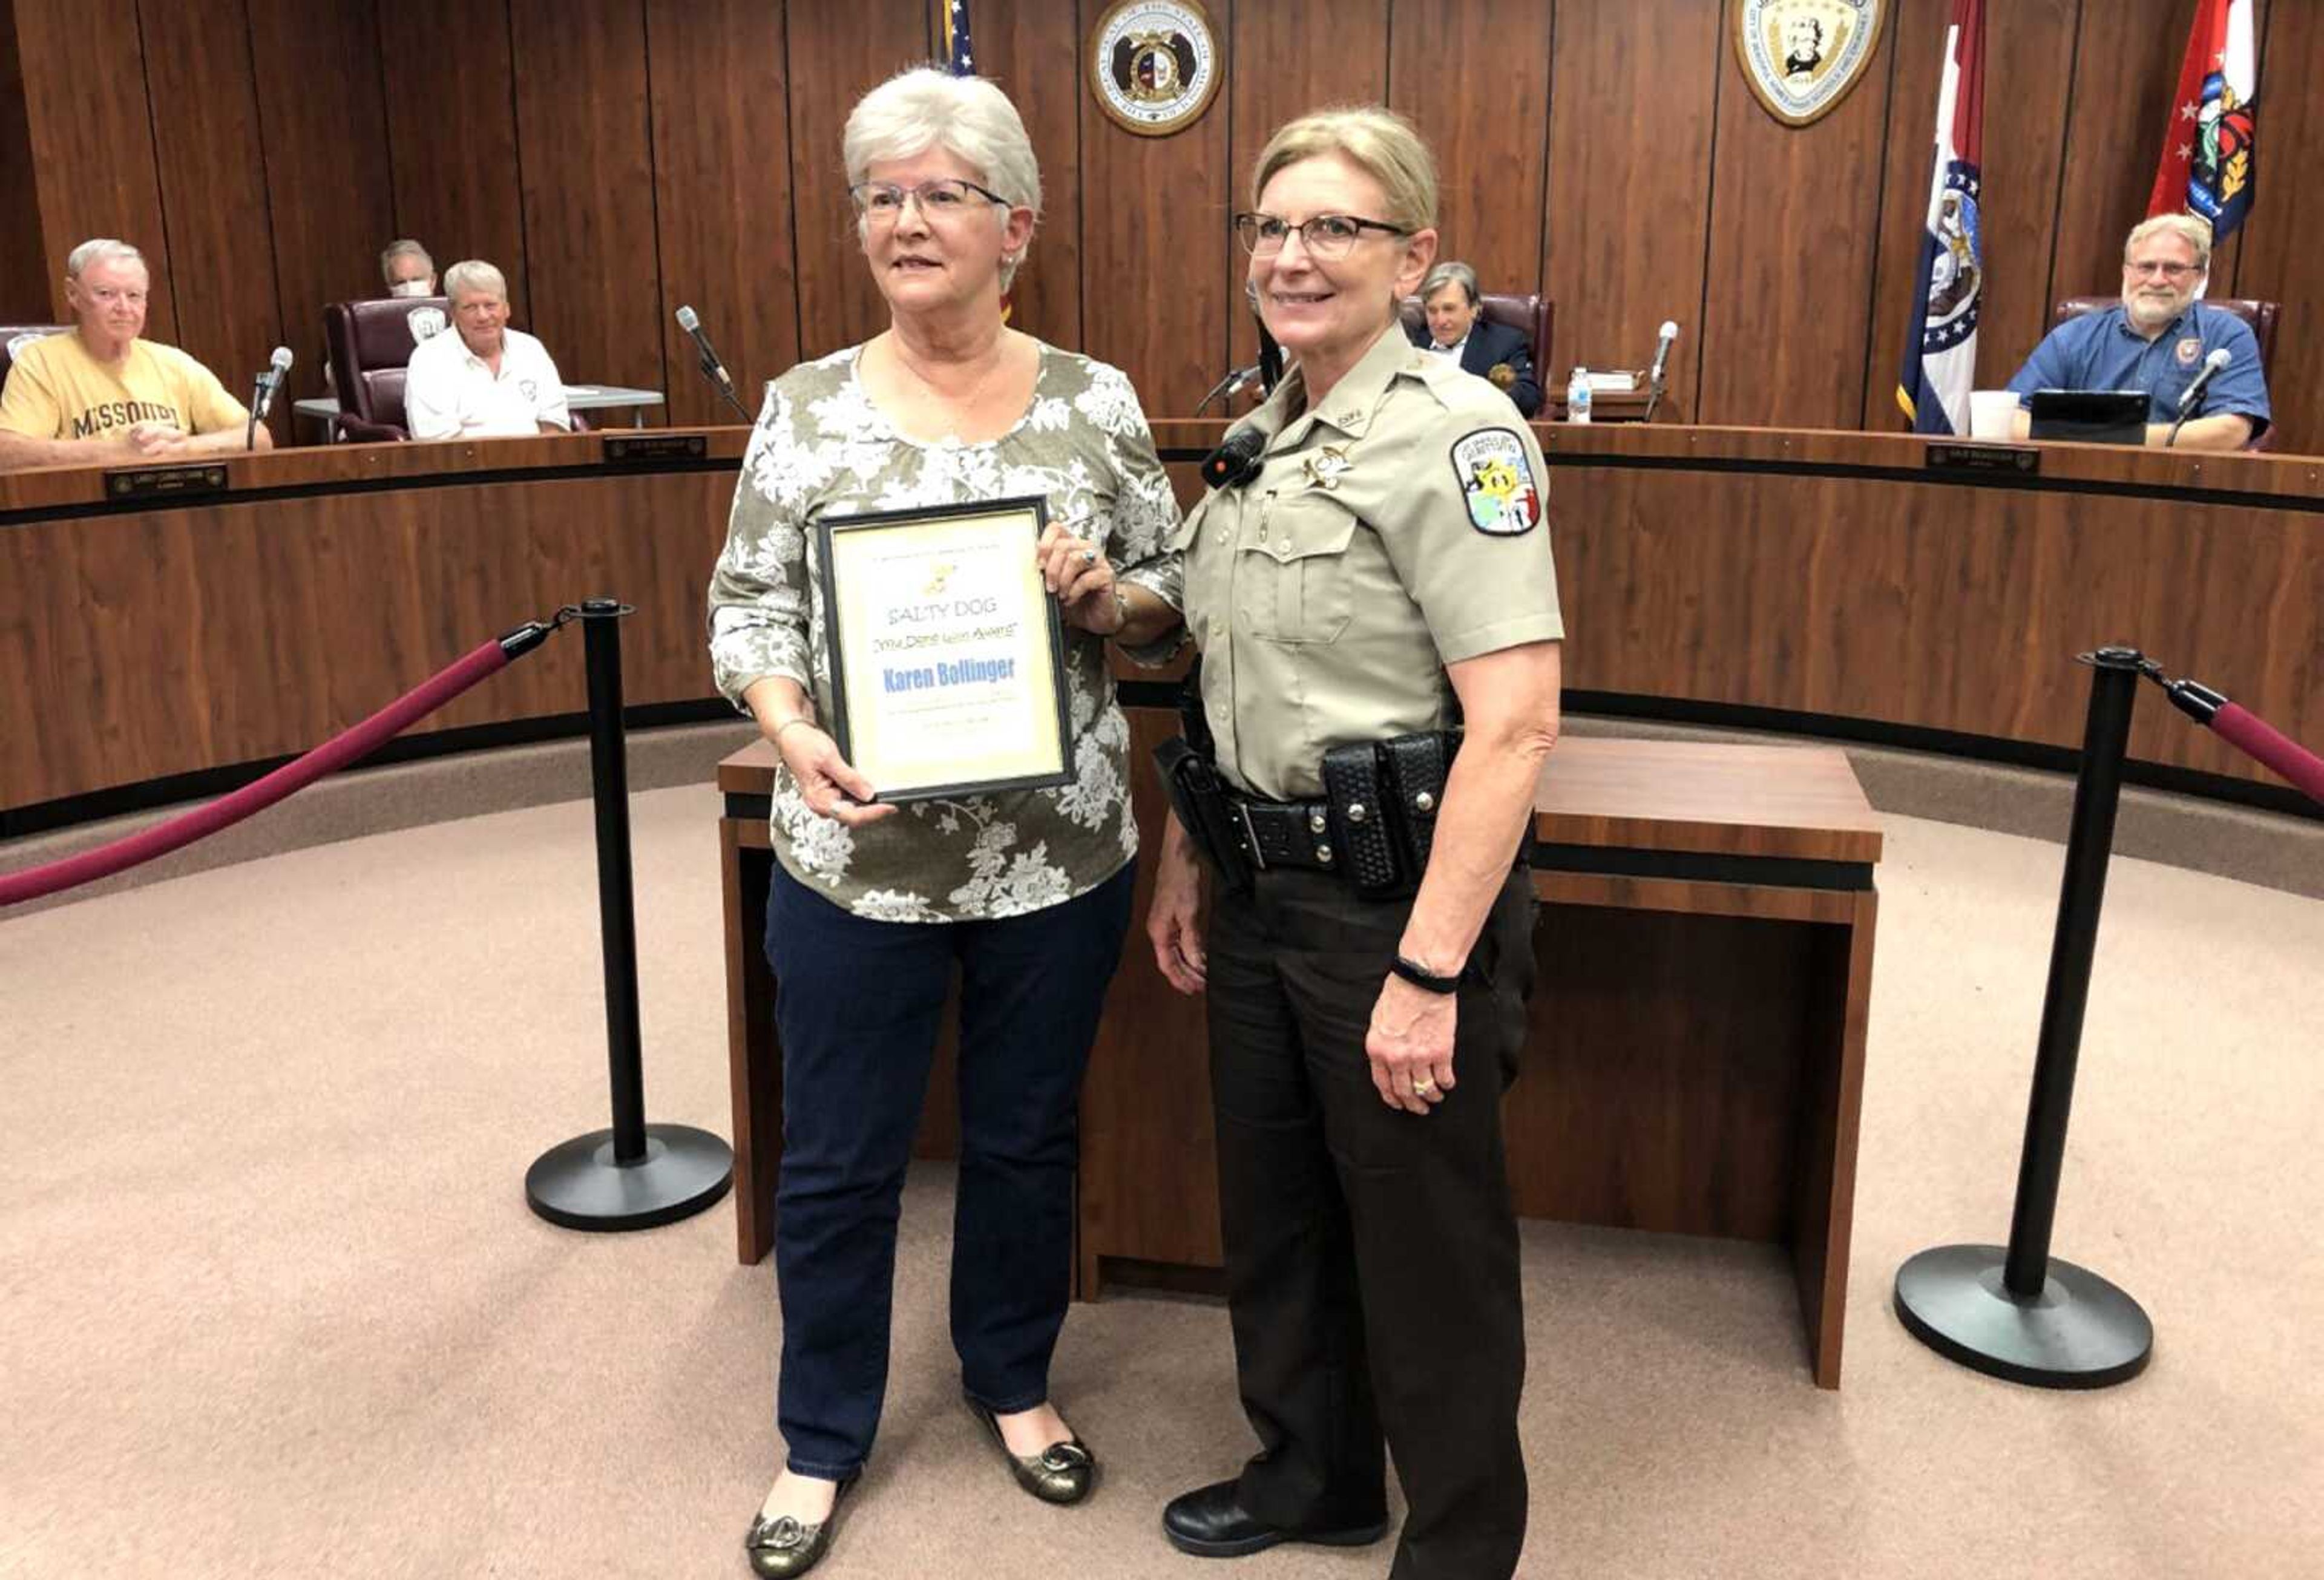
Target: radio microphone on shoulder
x,y
1236,462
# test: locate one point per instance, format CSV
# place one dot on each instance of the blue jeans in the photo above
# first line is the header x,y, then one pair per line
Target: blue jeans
x,y
856,1005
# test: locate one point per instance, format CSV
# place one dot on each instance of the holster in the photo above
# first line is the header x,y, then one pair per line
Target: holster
x,y
1190,779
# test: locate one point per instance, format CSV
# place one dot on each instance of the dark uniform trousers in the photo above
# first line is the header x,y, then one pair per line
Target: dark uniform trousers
x,y
1371,1253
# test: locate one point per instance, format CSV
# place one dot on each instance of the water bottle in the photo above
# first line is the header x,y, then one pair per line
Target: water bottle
x,y
1577,396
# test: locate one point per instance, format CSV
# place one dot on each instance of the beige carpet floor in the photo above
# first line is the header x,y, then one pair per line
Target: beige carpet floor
x,y
271,1303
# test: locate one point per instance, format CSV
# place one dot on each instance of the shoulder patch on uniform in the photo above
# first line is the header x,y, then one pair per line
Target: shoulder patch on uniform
x,y
1496,482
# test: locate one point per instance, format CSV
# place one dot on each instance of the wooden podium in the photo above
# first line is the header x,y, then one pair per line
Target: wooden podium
x,y
1696,1058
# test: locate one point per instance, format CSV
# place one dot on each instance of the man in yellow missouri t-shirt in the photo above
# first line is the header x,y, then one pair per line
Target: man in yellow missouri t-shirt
x,y
99,395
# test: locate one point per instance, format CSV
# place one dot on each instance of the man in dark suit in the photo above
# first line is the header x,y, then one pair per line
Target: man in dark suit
x,y
1491,351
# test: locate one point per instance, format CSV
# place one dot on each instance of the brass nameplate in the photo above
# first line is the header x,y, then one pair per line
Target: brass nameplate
x,y
155,483
632,449
2022,459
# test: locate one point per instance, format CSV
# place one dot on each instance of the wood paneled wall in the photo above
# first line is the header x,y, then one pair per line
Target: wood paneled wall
x,y
618,158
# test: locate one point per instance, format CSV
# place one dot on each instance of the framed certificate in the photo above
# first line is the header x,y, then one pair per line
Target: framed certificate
x,y
947,653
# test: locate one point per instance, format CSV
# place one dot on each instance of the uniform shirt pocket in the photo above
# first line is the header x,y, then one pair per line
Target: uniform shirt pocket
x,y
1291,573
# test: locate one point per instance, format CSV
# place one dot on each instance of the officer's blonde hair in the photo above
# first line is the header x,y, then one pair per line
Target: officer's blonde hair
x,y
2188,228
1378,140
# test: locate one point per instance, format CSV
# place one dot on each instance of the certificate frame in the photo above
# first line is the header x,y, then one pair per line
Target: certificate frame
x,y
945,648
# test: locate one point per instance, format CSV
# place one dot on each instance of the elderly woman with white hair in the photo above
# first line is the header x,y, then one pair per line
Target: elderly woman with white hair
x,y
874,906
488,381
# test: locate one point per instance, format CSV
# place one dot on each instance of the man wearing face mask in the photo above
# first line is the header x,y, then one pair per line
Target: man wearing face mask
x,y
486,381
2157,341
408,270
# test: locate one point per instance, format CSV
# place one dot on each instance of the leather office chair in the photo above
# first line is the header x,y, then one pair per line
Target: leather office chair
x,y
2261,315
13,334
369,342
1532,317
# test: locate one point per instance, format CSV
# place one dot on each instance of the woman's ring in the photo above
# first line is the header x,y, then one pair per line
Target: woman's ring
x,y
1424,1085
1089,556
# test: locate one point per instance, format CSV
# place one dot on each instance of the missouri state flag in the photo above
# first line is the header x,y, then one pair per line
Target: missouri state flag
x,y
1940,349
2206,167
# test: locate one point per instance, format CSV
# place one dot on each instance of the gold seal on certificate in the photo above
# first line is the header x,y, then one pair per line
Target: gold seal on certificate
x,y
947,655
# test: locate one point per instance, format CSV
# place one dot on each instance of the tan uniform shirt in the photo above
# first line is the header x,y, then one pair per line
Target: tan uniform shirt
x,y
1394,530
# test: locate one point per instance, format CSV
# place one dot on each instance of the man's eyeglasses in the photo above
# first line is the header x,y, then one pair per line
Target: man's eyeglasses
x,y
885,201
2168,271
1327,235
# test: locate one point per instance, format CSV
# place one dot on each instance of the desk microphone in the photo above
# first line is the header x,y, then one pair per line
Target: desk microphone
x,y
277,368
1237,380
1661,362
712,368
2213,365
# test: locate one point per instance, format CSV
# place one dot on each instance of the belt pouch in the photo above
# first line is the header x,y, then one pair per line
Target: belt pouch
x,y
1354,802
1416,767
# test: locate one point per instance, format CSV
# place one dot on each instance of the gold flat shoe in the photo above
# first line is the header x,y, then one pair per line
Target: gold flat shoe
x,y
1062,1473
784,1546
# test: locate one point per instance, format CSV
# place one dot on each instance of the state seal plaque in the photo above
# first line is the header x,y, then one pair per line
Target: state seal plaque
x,y
1801,57
1153,65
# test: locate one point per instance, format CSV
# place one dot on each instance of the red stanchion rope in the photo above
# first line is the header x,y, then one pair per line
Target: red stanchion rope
x,y
2245,730
2255,736
347,747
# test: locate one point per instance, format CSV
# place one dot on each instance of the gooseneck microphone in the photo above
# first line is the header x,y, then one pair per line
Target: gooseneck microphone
x,y
269,380
1668,338
1237,380
2213,366
712,368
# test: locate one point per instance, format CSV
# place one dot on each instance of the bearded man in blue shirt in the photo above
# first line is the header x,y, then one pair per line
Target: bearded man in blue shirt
x,y
2157,342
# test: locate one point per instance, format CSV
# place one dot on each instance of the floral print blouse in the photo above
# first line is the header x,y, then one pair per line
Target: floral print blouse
x,y
822,448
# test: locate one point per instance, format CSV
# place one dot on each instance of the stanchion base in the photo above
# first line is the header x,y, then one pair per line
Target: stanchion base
x,y
578,1185
2080,1332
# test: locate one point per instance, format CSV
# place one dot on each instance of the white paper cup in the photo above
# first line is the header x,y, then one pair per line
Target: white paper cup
x,y
1990,412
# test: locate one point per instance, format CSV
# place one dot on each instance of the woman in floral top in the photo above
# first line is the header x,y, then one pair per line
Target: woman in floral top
x,y
874,905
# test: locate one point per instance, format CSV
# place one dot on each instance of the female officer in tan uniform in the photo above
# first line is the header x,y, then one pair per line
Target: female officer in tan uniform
x,y
1373,548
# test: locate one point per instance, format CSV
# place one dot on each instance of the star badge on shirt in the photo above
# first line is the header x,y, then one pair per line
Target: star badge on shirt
x,y
1325,467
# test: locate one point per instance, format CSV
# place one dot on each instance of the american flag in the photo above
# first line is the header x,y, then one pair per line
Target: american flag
x,y
957,53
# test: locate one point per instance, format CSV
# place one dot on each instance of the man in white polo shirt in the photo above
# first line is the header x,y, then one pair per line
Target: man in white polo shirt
x,y
488,381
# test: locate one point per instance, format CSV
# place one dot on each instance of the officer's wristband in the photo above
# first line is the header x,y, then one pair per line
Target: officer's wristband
x,y
1422,977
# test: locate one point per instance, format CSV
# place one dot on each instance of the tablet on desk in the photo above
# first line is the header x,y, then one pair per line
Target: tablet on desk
x,y
2094,417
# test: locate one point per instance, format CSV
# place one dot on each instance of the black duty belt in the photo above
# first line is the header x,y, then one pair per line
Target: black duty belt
x,y
1373,829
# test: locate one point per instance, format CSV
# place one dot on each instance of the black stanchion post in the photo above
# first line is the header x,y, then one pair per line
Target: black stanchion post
x,y
2020,1313
609,792
635,1175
